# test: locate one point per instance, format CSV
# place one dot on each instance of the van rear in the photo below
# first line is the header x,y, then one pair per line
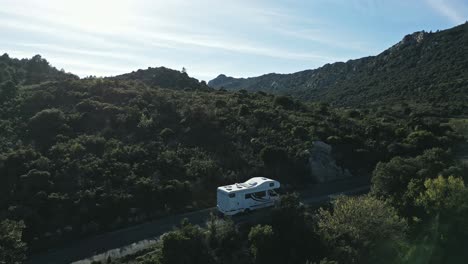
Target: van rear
x,y
226,202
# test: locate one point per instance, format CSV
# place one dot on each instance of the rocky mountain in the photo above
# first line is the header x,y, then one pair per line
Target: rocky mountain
x,y
424,67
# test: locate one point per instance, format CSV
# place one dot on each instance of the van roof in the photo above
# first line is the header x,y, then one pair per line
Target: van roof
x,y
251,183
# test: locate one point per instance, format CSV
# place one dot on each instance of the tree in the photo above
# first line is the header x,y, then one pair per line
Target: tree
x,y
224,240
275,159
12,248
293,227
284,101
37,70
243,110
12,165
262,244
34,181
167,133
422,139
401,179
357,229
444,234
300,133
8,90
46,124
188,238
445,196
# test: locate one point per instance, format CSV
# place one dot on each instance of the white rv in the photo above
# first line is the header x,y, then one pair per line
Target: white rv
x,y
253,194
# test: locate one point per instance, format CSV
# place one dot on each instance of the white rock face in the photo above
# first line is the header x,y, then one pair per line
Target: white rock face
x,y
323,167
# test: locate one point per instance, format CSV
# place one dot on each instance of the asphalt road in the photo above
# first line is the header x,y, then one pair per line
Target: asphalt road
x,y
82,249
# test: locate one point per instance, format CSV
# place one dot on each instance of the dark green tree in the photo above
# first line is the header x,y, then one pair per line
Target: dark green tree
x,y
191,240
362,229
263,244
8,90
12,248
46,125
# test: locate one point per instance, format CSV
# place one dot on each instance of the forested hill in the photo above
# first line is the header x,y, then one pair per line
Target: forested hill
x,y
427,68
164,77
30,71
79,157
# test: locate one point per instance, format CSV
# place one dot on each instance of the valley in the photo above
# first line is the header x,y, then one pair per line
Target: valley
x,y
92,165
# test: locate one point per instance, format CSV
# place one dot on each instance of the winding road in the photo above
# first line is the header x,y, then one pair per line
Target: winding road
x,y
82,249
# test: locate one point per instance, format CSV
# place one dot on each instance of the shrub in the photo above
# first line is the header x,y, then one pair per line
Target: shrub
x,y
357,228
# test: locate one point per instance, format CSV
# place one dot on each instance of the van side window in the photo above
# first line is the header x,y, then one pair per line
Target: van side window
x,y
232,195
260,194
272,184
248,196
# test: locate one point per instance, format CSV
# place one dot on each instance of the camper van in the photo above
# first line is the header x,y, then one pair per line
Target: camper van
x,y
253,194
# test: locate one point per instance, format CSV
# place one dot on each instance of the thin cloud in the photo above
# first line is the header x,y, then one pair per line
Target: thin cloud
x,y
164,40
445,9
61,32
89,52
206,41
318,37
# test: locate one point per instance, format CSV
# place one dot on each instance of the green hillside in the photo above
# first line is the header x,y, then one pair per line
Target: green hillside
x,y
30,71
80,157
425,68
165,78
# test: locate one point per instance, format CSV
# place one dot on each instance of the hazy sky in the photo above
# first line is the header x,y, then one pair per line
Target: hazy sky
x,y
239,38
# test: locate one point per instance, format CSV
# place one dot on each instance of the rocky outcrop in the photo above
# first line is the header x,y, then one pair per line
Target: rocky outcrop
x,y
323,167
411,39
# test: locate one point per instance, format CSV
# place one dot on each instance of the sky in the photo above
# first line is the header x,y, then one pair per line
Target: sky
x,y
239,38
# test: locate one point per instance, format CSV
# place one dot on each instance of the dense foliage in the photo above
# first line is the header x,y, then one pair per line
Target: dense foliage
x,y
427,69
29,71
361,229
86,156
12,248
82,157
165,78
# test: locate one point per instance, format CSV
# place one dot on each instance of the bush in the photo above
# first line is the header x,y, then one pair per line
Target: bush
x,y
12,248
262,244
359,229
284,101
243,110
47,124
300,133
191,240
166,133
8,90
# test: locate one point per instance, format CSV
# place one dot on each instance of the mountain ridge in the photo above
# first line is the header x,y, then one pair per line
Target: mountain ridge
x,y
424,67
